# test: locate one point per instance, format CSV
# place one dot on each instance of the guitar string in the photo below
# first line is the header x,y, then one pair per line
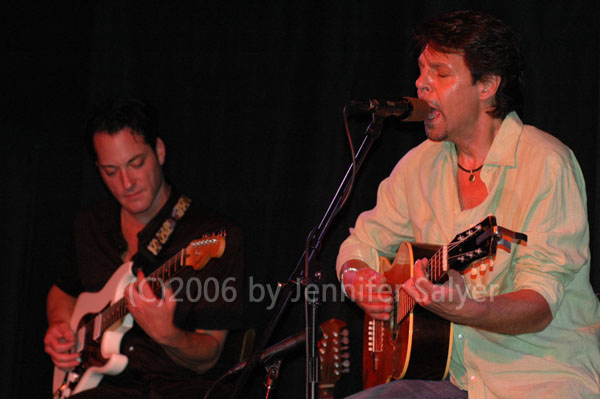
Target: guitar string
x,y
116,311
407,302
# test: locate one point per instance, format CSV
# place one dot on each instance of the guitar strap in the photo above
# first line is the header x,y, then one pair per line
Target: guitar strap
x,y
162,235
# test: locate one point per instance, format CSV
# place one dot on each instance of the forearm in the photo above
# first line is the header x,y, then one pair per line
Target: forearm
x,y
519,312
59,306
197,351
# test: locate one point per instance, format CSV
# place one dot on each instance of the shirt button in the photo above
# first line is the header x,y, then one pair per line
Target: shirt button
x,y
473,378
461,337
130,349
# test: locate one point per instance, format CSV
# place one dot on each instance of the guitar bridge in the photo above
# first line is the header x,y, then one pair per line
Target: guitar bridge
x,y
70,382
375,335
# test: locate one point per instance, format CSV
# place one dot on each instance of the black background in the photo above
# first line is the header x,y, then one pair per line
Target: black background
x,y
250,96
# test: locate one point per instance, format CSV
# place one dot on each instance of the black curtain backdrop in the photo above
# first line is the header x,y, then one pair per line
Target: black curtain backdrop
x,y
250,97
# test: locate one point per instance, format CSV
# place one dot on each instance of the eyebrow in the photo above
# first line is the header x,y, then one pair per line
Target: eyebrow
x,y
133,159
434,65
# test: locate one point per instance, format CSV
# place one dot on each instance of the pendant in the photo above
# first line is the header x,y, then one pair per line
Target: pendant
x,y
471,172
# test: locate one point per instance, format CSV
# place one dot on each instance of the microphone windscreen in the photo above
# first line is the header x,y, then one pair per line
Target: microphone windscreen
x,y
420,110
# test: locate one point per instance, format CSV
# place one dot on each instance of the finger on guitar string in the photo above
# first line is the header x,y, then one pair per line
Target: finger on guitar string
x,y
375,300
59,337
64,361
139,292
418,286
371,294
376,311
58,344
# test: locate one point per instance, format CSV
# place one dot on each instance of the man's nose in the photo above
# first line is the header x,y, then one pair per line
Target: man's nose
x,y
423,85
127,181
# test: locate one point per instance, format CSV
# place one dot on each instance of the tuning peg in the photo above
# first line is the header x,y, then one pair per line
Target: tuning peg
x,y
503,242
346,363
345,340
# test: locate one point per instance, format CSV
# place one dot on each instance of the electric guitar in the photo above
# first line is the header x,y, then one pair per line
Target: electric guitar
x,y
333,355
416,343
101,319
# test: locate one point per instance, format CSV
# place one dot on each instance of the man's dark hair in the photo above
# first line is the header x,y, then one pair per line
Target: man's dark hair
x,y
489,47
123,113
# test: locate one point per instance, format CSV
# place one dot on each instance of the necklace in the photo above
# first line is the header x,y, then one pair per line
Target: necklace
x,y
471,172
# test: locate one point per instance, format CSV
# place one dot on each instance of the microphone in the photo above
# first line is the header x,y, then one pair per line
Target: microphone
x,y
282,346
408,109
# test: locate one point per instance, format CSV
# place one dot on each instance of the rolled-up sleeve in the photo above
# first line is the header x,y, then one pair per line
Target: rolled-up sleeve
x,y
558,234
379,231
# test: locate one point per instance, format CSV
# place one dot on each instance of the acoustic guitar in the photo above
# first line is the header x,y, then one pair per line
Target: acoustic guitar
x,y
415,343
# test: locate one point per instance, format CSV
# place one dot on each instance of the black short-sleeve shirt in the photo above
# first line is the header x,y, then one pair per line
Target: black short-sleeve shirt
x,y
210,298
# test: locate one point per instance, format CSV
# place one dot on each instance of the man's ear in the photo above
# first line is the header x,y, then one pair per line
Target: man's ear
x,y
160,150
489,86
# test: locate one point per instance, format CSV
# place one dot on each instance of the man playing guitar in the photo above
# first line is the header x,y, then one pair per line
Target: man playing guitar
x,y
529,326
176,340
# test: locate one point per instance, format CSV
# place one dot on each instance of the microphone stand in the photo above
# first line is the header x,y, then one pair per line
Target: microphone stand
x,y
314,243
272,376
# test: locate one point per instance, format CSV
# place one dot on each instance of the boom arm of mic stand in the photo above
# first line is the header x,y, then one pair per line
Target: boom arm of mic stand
x,y
372,133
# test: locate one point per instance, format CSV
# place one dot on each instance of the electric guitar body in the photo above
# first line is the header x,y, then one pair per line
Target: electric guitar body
x,y
100,319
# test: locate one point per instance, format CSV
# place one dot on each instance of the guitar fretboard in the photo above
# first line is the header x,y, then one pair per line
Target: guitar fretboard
x,y
437,267
118,310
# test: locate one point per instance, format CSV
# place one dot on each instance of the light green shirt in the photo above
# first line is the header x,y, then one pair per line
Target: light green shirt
x,y
535,186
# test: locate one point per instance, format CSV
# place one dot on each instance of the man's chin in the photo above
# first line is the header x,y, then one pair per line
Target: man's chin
x,y
435,136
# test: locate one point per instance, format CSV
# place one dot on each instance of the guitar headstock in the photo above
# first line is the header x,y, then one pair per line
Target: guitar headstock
x,y
200,251
333,353
477,243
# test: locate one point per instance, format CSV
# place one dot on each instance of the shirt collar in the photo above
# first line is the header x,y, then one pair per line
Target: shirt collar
x,y
503,151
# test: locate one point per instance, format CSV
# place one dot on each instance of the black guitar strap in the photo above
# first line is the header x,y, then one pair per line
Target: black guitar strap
x,y
147,255
166,229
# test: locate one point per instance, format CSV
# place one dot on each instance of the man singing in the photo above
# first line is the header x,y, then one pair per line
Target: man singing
x,y
530,327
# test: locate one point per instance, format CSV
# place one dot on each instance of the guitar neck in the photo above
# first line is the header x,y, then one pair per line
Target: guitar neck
x,y
438,265
156,280
326,392
404,303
